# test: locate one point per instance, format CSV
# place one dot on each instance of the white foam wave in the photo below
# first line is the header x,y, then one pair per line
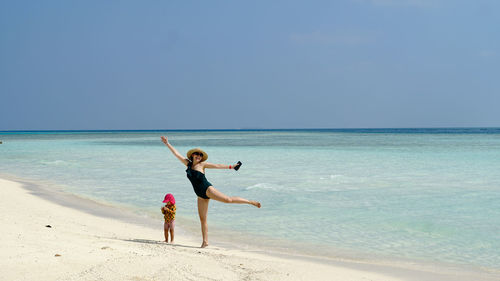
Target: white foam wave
x,y
55,162
331,177
266,186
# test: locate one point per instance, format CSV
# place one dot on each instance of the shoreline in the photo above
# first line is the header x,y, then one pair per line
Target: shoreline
x,y
105,225
83,246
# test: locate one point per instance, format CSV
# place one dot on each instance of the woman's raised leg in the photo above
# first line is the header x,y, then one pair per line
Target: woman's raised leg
x,y
213,193
202,212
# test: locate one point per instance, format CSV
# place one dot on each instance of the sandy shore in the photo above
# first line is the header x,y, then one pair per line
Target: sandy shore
x,y
86,246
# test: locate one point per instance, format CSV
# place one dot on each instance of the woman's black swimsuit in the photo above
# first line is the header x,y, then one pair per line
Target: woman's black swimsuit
x,y
199,181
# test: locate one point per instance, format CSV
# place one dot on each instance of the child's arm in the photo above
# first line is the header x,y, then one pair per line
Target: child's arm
x,y
170,210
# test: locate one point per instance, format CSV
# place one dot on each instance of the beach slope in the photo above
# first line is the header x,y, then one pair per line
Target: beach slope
x,y
82,246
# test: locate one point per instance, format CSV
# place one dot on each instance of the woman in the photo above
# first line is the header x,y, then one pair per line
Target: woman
x,y
195,171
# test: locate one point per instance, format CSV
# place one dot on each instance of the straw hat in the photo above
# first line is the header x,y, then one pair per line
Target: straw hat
x,y
205,155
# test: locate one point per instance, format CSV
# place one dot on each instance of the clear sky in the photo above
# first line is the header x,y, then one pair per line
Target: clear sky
x,y
249,64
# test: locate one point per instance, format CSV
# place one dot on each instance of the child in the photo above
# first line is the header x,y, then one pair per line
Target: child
x,y
168,212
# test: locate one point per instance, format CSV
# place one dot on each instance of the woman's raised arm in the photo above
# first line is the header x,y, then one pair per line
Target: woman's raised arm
x,y
176,153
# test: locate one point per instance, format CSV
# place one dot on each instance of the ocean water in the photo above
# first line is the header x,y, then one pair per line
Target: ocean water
x,y
430,195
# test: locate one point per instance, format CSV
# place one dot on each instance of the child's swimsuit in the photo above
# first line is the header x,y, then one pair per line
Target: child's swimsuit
x,y
199,181
169,213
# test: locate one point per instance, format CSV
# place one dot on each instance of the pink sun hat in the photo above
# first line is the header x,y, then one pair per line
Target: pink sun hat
x,y
169,198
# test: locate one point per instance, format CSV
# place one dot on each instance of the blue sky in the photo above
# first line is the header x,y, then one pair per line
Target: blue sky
x,y
249,64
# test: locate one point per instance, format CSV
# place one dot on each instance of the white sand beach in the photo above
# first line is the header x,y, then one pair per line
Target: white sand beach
x,y
83,246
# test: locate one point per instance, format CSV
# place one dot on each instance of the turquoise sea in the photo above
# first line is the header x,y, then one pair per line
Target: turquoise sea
x,y
423,195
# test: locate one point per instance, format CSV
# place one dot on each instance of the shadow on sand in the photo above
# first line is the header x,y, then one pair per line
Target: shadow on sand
x,y
146,241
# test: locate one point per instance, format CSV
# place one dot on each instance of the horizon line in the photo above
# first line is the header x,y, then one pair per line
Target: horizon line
x,y
242,129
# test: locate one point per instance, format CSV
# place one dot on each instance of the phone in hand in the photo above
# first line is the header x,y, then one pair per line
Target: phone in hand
x,y
237,166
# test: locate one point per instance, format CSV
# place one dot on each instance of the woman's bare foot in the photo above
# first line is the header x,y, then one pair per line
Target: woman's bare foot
x,y
204,245
255,203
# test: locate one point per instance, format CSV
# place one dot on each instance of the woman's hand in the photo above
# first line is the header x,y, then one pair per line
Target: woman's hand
x,y
237,166
164,139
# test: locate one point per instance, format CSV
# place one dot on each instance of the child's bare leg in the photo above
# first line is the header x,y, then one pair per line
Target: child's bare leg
x,y
165,231
172,224
213,193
